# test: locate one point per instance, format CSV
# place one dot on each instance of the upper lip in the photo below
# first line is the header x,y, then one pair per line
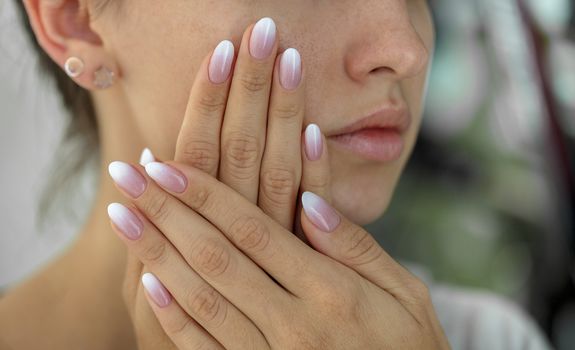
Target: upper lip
x,y
392,116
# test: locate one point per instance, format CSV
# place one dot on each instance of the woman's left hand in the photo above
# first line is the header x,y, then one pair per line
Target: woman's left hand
x,y
233,269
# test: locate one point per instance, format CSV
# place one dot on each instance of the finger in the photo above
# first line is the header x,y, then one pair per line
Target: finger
x,y
198,142
183,330
149,331
316,171
244,126
131,280
201,301
281,164
287,259
332,234
204,248
316,176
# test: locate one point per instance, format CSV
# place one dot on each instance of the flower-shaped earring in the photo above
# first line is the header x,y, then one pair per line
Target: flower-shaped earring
x,y
103,77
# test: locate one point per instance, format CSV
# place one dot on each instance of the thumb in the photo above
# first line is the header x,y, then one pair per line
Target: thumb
x,y
330,233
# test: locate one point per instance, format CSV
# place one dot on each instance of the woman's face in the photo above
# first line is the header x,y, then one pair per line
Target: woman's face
x,y
358,56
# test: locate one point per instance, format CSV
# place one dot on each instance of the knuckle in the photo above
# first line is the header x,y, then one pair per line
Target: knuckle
x,y
253,82
208,305
242,151
287,111
361,248
199,199
419,291
156,207
210,103
250,234
155,254
317,181
201,154
211,258
278,185
179,326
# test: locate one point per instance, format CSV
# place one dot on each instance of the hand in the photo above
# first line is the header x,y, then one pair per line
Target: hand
x,y
244,164
217,252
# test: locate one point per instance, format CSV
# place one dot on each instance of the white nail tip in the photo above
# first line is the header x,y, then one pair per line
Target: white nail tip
x,y
118,169
146,157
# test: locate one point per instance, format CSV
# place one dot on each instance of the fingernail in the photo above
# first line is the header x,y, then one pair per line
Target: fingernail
x,y
221,62
167,176
128,178
146,157
156,290
263,38
313,142
128,223
320,213
290,69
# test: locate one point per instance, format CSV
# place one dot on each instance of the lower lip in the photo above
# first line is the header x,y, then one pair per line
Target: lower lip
x,y
383,145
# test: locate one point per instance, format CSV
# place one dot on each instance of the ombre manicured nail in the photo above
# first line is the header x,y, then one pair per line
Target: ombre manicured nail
x,y
320,213
263,38
156,290
128,223
290,69
146,157
313,142
128,178
167,176
221,62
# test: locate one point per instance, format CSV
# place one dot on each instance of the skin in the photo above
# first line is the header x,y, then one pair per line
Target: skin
x,y
384,56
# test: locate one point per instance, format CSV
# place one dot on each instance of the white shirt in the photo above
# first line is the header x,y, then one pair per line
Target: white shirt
x,y
477,320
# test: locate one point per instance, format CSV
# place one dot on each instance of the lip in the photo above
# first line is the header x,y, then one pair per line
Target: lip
x,y
379,136
394,116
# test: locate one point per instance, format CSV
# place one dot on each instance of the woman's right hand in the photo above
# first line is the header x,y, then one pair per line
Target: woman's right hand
x,y
246,132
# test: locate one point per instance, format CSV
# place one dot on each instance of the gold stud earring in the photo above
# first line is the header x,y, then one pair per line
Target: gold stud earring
x,y
74,66
104,77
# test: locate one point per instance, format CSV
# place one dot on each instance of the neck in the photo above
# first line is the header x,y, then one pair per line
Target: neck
x,y
99,257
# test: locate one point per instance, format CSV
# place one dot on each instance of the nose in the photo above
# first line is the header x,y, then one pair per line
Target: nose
x,y
387,43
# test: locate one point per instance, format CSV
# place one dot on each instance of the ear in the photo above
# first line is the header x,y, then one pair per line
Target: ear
x,y
63,29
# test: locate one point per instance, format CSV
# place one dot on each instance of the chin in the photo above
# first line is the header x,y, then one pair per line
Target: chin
x,y
363,202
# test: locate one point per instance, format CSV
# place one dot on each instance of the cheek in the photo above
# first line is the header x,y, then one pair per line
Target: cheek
x,y
159,59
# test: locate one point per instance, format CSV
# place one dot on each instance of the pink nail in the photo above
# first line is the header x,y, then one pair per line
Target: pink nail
x,y
263,38
221,62
290,69
128,223
128,178
167,176
313,142
156,290
320,212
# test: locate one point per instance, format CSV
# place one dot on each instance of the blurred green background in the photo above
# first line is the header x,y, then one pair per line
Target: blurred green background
x,y
487,199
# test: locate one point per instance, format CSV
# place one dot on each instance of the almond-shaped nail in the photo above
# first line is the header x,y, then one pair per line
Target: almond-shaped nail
x,y
320,213
167,176
263,38
290,69
221,62
127,222
146,157
313,142
156,290
128,178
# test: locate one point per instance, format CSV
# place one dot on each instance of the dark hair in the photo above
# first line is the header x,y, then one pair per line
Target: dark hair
x,y
81,134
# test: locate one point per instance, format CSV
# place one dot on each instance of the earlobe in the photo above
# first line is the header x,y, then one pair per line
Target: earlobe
x,y
63,30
